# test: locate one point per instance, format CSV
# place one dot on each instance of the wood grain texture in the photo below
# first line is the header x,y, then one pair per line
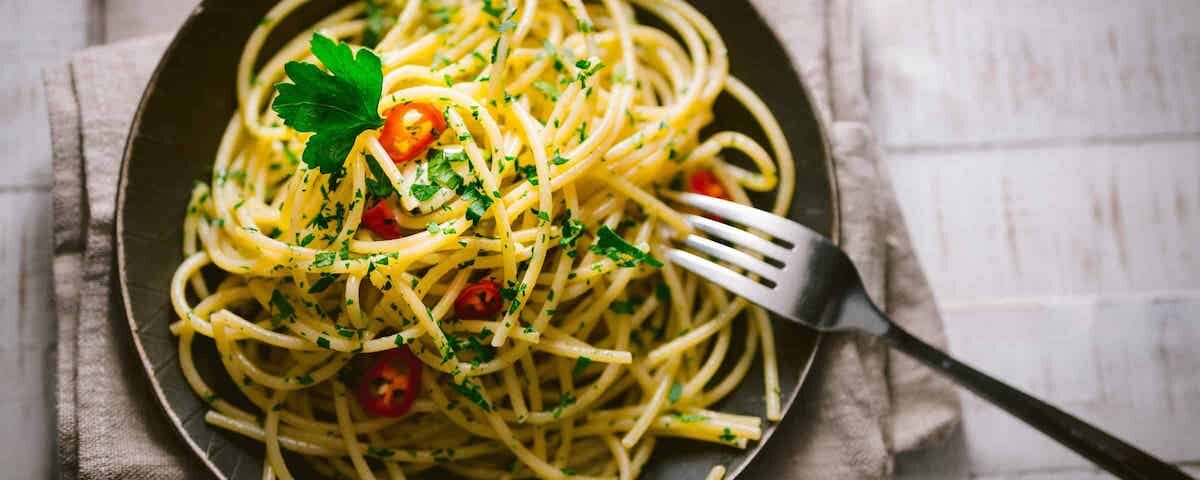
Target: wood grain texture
x,y
1045,157
37,34
991,72
1125,363
1047,221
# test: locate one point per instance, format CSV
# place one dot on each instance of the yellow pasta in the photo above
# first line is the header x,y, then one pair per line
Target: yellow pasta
x,y
564,123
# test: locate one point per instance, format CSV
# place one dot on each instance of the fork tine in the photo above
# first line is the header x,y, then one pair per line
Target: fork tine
x,y
728,279
738,237
734,256
780,227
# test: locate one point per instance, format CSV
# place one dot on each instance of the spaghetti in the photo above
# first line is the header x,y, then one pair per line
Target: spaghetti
x,y
461,274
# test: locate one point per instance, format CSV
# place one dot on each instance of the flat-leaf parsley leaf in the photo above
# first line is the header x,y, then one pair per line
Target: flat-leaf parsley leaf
x,y
336,106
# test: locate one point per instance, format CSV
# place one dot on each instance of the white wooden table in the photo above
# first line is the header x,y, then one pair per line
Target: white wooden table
x,y
1046,155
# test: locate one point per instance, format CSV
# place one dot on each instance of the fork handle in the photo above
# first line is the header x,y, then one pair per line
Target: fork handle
x,y
1108,452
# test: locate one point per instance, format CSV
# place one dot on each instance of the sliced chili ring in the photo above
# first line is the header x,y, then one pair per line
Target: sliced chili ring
x,y
380,221
410,129
479,300
705,182
391,384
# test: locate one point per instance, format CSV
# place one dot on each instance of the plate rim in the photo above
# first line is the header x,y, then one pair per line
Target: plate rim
x,y
121,258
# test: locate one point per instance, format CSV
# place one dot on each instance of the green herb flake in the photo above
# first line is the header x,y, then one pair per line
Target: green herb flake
x,y
322,283
690,418
564,401
424,192
571,230
379,185
281,309
378,22
611,245
547,89
624,307
471,392
493,9
676,391
324,259
581,364
662,292
478,202
380,452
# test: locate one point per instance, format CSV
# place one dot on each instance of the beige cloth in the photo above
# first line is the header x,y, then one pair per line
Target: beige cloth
x,y
860,405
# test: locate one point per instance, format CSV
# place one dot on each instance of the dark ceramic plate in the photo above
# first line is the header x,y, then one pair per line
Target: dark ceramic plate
x,y
174,138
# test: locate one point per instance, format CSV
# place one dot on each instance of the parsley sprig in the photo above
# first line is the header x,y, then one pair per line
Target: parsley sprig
x,y
336,106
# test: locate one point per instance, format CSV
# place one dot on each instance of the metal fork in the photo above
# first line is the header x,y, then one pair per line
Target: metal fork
x,y
813,283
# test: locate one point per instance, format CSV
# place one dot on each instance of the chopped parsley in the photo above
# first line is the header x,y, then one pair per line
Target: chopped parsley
x,y
472,392
494,10
378,21
305,379
624,307
564,401
336,106
547,89
322,342
727,436
324,259
379,185
281,309
423,192
441,172
662,292
528,172
690,418
611,245
478,202
572,228
510,294
322,283
676,391
380,452
581,364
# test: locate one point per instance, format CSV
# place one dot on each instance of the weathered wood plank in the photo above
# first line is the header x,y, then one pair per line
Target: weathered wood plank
x,y
37,34
133,18
1041,222
988,72
1125,363
27,313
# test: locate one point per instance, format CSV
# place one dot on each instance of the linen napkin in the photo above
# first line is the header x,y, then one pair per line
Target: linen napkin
x,y
860,405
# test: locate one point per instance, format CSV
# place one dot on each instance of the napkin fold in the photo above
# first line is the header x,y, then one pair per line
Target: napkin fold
x,y
860,405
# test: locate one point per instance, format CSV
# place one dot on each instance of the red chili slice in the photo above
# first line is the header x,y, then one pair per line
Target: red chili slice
x,y
381,222
410,129
479,300
391,384
705,182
